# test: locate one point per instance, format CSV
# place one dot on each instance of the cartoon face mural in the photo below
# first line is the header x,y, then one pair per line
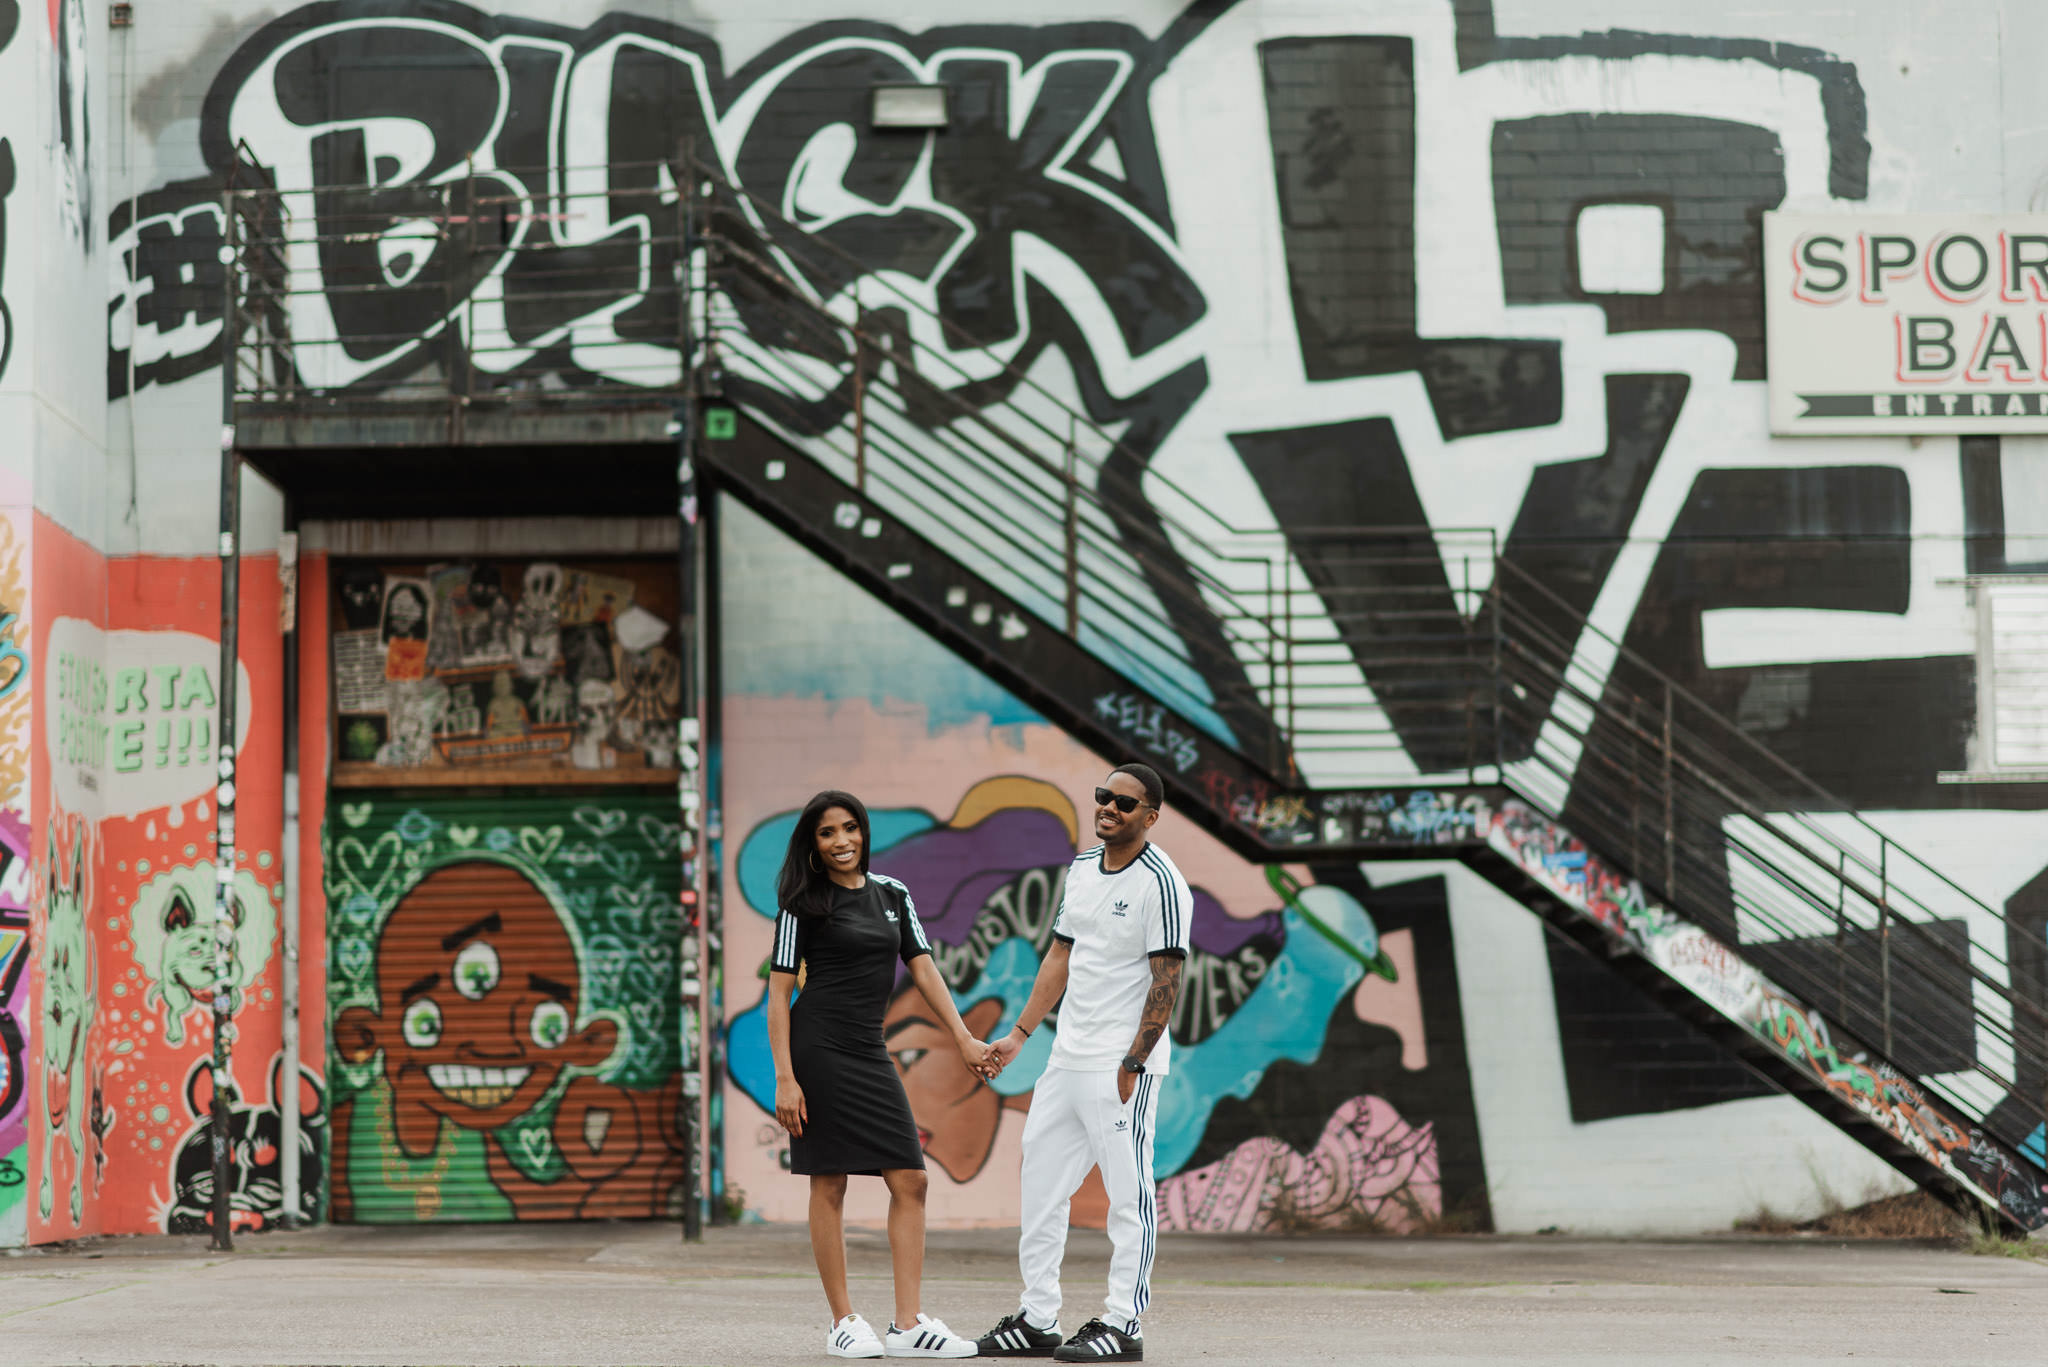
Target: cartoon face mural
x,y
474,1020
503,993
70,1002
173,939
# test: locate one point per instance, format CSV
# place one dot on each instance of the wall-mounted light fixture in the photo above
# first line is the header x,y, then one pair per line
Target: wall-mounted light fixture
x,y
916,107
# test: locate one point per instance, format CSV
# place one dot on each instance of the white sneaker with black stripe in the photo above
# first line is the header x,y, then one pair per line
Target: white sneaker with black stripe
x,y
853,1337
928,1338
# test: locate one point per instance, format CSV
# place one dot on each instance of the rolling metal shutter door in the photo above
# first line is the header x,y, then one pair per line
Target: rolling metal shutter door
x,y
503,1005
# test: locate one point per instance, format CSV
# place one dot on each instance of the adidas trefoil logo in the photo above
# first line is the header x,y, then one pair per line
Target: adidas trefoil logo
x,y
1121,908
1122,1124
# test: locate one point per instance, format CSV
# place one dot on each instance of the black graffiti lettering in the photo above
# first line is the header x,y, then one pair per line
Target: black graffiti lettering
x,y
652,113
1214,986
387,250
1013,185
465,171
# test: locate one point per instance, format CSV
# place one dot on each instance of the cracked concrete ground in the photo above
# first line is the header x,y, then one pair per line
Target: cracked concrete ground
x,y
634,1293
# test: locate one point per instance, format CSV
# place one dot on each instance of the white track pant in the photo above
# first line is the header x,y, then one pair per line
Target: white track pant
x,y
1077,1123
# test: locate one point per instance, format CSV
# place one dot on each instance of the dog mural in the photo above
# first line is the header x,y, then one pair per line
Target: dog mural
x,y
172,932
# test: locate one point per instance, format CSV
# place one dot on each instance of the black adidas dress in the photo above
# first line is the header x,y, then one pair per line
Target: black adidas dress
x,y
859,1119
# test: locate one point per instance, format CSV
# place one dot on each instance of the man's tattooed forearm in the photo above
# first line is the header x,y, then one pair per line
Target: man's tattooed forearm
x,y
1158,1006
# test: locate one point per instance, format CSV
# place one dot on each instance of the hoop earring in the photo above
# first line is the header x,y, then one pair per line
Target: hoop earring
x,y
816,867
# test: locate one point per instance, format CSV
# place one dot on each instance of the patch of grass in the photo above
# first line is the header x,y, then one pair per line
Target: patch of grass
x,y
1909,1215
1985,1238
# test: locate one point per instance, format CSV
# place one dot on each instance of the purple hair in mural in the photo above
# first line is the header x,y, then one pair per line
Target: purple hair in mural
x,y
955,872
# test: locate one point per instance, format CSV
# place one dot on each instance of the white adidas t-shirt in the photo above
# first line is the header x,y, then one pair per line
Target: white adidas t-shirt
x,y
1114,923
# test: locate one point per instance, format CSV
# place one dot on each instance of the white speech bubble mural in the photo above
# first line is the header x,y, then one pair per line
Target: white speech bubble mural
x,y
132,717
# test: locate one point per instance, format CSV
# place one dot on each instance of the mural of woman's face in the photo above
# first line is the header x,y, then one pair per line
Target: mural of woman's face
x,y
838,841
956,1113
478,988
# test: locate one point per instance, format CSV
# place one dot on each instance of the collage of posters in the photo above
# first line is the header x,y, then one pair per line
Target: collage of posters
x,y
505,665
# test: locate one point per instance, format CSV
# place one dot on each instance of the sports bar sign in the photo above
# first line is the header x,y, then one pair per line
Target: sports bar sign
x,y
1907,322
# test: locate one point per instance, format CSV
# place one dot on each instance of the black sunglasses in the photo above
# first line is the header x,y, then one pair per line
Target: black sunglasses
x,y
1123,802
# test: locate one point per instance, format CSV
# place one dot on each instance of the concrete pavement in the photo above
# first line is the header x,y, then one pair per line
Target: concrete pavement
x,y
633,1293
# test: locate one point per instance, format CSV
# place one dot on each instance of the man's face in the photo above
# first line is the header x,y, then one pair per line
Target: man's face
x,y
1115,826
478,987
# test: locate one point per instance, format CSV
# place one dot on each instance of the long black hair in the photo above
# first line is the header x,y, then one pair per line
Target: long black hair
x,y
804,888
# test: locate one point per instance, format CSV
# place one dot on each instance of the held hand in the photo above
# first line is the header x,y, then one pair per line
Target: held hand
x,y
1126,1083
1004,1050
974,1054
790,1111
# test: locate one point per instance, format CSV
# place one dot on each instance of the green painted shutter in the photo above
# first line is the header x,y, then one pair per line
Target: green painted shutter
x,y
503,1005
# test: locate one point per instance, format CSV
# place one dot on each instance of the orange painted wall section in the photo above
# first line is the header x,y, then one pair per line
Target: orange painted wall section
x,y
127,684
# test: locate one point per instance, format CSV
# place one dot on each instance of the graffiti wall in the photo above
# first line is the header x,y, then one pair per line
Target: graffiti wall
x,y
504,988
127,984
1474,266
18,1032
1318,1078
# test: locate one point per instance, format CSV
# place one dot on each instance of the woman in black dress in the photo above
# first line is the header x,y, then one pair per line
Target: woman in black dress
x,y
837,1091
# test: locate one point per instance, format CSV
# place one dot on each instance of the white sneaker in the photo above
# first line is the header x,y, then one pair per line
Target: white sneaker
x,y
928,1338
853,1338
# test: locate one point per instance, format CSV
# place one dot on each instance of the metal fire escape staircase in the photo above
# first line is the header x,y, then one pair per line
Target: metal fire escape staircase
x,y
1286,686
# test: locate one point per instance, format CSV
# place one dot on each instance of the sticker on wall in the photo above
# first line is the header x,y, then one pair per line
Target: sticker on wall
x,y
507,668
359,662
588,596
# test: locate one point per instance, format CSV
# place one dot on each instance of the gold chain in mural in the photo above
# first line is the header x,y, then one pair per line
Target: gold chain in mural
x,y
399,1172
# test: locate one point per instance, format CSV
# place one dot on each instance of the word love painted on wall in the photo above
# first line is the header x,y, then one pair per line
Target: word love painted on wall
x,y
131,717
1907,322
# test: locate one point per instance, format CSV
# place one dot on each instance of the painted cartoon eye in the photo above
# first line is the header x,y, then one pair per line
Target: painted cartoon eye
x,y
476,969
550,1024
421,1024
906,1059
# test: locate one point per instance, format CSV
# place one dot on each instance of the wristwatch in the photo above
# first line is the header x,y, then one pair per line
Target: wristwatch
x,y
1133,1064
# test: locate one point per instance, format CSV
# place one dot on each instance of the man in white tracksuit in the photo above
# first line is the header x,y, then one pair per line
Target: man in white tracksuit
x,y
1117,952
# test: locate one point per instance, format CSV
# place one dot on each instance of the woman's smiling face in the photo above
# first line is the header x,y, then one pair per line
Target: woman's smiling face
x,y
838,842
